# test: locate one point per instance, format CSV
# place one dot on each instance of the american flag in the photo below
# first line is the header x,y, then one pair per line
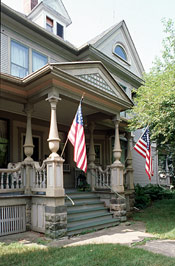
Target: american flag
x,y
143,147
77,138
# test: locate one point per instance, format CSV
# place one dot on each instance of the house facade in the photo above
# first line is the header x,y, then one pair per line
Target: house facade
x,y
43,78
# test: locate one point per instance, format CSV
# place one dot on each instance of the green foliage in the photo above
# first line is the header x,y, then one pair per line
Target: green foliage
x,y
141,199
155,99
144,196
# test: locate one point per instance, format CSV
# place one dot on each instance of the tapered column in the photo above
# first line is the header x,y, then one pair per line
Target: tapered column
x,y
28,145
28,150
117,167
91,158
129,168
54,161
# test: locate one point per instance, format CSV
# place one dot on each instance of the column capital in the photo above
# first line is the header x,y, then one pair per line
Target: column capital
x,y
53,99
116,118
28,108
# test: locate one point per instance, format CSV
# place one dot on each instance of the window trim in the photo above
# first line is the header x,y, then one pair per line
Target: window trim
x,y
28,49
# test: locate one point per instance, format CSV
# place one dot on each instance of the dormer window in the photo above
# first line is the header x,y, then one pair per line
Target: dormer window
x,y
59,30
119,51
49,24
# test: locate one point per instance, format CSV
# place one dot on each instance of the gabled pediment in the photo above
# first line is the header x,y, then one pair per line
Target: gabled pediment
x,y
58,6
119,35
95,75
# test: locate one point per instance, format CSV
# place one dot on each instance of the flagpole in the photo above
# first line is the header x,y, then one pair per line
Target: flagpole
x,y
82,97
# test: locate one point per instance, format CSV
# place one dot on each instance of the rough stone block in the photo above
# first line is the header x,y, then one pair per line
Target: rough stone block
x,y
123,219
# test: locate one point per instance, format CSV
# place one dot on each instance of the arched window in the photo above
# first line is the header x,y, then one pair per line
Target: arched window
x,y
120,52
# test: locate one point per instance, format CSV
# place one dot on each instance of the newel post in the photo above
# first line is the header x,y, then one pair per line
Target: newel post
x,y
117,182
54,161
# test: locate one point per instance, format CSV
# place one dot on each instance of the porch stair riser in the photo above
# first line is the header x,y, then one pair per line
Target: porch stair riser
x,y
87,214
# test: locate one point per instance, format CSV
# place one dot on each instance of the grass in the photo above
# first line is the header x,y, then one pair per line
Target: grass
x,y
159,218
92,255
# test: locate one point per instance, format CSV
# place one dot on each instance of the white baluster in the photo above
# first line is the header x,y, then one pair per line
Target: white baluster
x,y
40,178
7,181
12,181
2,178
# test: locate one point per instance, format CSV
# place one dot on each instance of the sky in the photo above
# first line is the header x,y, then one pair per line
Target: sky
x,y
143,19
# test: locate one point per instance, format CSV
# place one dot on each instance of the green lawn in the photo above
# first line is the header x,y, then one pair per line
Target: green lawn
x,y
159,218
109,255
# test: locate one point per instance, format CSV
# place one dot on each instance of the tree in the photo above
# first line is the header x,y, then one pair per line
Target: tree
x,y
155,99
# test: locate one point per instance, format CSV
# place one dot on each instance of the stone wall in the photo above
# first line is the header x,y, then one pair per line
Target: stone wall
x,y
55,221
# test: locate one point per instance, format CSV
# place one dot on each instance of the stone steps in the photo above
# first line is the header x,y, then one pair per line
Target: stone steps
x,y
88,213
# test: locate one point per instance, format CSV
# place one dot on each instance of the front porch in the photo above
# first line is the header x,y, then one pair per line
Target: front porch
x,y
36,191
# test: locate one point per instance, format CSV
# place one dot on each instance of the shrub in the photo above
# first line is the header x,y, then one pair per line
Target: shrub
x,y
145,195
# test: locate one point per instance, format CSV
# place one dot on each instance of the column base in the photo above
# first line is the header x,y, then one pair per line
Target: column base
x,y
55,192
55,221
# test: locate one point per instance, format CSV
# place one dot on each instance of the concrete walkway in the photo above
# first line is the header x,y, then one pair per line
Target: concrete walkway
x,y
125,234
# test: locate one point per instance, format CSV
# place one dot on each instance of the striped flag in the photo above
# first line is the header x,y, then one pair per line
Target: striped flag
x,y
143,147
77,138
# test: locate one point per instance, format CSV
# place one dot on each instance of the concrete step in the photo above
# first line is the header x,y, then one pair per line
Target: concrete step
x,y
79,220
83,228
79,198
86,212
85,205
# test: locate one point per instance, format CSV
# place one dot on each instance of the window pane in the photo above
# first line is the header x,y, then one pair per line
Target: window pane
x,y
120,51
38,60
49,24
59,30
19,60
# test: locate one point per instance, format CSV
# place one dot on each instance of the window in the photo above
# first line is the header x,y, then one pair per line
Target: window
x,y
49,24
60,30
38,60
19,60
120,52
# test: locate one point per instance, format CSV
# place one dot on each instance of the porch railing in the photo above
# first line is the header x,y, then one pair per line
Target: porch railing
x,y
39,177
12,178
103,177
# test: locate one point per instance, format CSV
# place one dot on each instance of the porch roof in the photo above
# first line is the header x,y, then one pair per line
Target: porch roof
x,y
104,98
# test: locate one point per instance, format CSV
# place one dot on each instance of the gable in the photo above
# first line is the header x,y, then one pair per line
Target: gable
x,y
96,75
58,6
119,36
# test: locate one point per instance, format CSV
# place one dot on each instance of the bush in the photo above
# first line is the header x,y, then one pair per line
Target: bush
x,y
145,195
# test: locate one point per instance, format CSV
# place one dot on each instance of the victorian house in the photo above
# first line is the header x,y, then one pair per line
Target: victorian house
x,y
43,78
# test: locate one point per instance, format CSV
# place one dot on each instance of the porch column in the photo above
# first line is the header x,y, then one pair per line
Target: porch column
x,y
91,158
117,166
129,168
28,150
28,145
54,161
